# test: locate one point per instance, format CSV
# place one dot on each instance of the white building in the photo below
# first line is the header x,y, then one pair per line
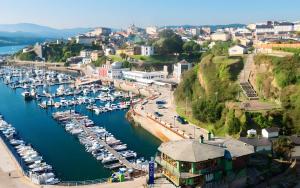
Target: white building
x,y
179,68
271,132
99,31
297,26
141,76
283,27
237,50
151,30
86,61
220,36
116,70
85,53
195,31
264,29
85,40
109,51
147,50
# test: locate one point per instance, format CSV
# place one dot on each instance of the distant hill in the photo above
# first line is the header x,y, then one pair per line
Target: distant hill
x,y
41,31
27,33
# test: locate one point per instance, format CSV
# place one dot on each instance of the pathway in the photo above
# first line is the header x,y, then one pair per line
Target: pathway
x,y
244,76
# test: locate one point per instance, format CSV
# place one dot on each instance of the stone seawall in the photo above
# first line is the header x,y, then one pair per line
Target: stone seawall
x,y
152,127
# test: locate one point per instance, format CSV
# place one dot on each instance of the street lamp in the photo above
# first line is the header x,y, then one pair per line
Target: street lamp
x,y
174,120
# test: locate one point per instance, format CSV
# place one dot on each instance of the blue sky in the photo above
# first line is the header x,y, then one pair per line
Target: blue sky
x,y
121,13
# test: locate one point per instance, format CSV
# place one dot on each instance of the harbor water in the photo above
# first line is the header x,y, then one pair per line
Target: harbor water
x,y
11,49
62,150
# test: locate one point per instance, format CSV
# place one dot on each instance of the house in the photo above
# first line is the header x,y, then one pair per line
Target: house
x,y
179,68
112,71
100,31
271,132
152,30
85,53
237,50
147,50
259,144
75,59
193,163
220,36
251,132
109,51
86,61
96,54
134,50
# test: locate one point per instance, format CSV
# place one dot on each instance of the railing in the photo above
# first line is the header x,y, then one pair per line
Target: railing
x,y
86,182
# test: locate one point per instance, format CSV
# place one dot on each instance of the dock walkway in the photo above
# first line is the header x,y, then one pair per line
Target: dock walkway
x,y
122,160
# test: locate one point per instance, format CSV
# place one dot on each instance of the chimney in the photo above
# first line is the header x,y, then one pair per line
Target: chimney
x,y
201,139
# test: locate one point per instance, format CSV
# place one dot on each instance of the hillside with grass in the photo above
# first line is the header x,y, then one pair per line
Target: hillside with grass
x,y
205,91
278,79
206,88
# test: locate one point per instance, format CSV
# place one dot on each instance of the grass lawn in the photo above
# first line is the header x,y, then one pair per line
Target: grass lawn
x,y
226,60
115,58
188,116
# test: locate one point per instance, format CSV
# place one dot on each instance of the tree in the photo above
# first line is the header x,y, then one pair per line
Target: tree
x,y
123,55
126,64
168,43
233,123
207,110
282,147
190,47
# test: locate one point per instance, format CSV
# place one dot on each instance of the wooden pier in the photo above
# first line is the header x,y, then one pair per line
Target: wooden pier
x,y
122,160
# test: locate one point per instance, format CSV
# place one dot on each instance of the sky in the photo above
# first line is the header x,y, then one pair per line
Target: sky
x,y
121,13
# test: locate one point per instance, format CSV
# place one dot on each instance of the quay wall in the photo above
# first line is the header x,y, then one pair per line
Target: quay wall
x,y
153,127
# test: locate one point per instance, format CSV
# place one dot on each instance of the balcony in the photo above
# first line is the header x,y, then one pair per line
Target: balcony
x,y
174,170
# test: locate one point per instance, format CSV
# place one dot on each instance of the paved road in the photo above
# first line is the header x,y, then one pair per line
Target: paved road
x,y
169,113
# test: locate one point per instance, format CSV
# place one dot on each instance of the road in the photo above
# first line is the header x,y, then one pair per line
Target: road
x,y
169,113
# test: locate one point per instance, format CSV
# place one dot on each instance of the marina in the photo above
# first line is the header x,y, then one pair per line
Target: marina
x,y
103,105
34,166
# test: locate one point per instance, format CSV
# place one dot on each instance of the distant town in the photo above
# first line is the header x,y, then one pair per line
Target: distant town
x,y
223,104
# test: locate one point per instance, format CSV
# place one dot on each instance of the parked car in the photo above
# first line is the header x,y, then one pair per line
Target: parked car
x,y
160,106
181,120
157,114
161,102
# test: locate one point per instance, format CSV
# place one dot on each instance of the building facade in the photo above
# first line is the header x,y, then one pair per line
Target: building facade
x,y
194,163
179,68
147,50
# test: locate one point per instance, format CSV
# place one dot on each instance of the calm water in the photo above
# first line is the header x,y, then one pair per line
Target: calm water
x,y
62,150
11,49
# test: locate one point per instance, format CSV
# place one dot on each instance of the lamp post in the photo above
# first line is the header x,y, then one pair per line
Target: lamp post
x,y
174,120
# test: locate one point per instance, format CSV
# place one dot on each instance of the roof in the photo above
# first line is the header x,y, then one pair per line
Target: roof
x,y
295,139
236,148
183,62
239,45
256,141
283,23
264,27
272,129
190,150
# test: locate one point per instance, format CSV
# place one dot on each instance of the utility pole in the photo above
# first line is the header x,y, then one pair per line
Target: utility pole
x,y
185,105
